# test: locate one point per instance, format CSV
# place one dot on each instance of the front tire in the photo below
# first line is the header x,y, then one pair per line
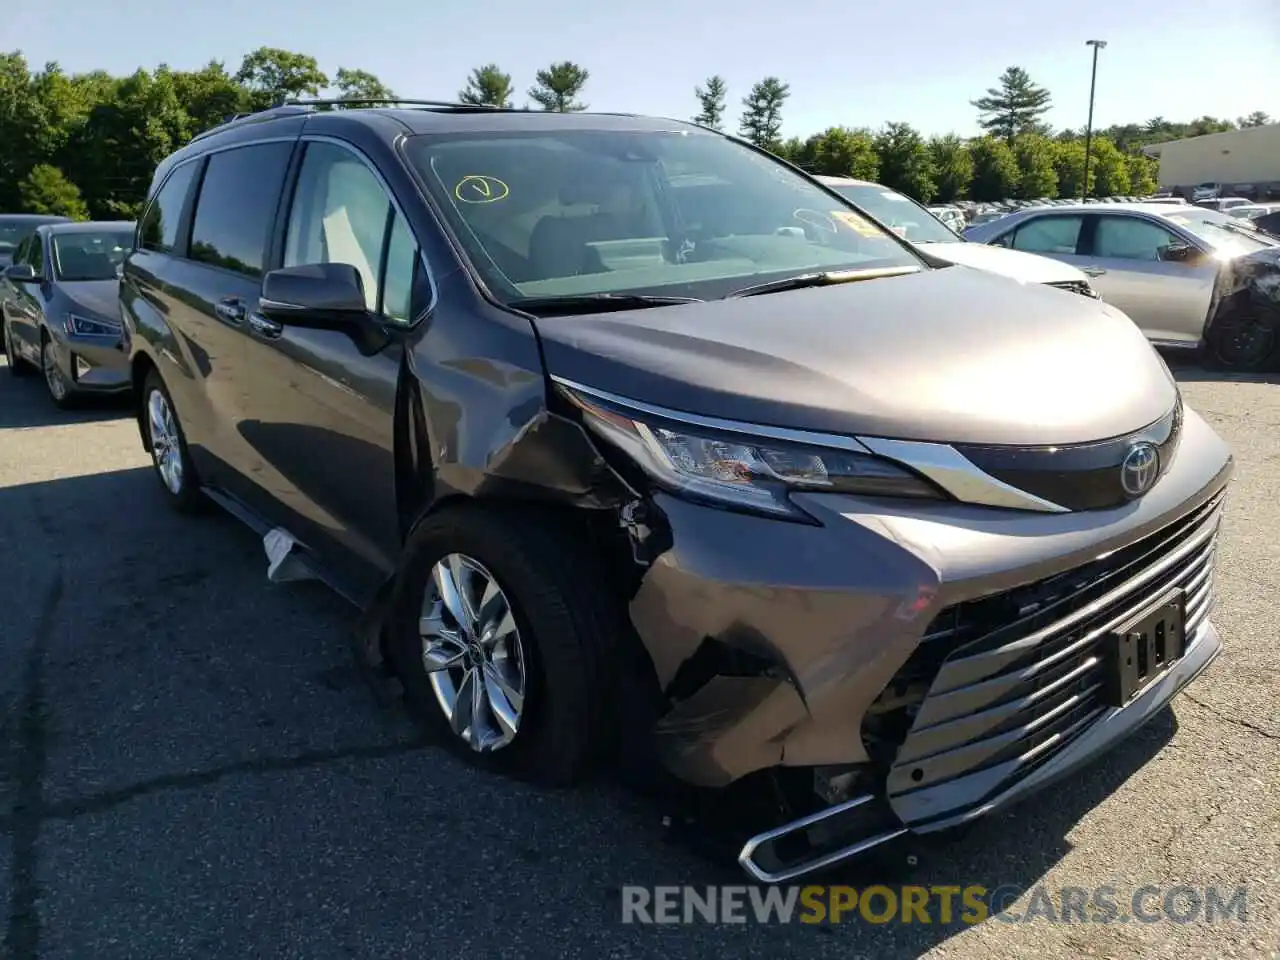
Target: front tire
x,y
503,635
1245,340
168,443
61,392
18,367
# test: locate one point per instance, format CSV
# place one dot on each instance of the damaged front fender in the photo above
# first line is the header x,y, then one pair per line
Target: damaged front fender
x,y
1243,331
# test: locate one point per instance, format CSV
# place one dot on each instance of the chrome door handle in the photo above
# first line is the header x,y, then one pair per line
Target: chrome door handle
x,y
230,311
268,329
1092,271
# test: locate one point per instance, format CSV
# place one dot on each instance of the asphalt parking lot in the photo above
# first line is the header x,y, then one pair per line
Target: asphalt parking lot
x,y
191,766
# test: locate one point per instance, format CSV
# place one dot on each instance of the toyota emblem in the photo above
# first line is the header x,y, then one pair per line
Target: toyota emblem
x,y
1139,469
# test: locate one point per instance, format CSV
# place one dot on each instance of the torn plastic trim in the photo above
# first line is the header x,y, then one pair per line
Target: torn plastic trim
x,y
763,846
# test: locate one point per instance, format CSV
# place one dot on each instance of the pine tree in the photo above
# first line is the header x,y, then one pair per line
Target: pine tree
x,y
712,100
1015,107
762,112
487,85
556,87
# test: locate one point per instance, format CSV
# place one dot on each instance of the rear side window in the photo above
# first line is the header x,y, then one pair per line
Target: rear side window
x,y
159,228
237,205
1048,235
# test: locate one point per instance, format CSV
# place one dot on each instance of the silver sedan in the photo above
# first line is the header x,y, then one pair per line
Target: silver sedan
x,y
1175,270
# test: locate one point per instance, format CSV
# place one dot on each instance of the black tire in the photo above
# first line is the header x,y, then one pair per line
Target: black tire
x,y
187,498
1246,340
18,367
568,623
67,400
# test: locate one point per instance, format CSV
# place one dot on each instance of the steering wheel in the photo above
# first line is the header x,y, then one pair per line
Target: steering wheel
x,y
816,223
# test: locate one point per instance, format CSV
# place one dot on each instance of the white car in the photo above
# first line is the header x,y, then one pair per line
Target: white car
x,y
915,224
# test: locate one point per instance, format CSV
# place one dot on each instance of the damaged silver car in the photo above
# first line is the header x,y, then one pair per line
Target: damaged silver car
x,y
630,439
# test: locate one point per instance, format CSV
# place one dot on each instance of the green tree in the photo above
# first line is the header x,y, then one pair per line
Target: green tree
x,y
116,152
952,167
761,121
556,88
711,99
1068,163
792,150
1109,169
905,161
488,85
1014,107
1143,172
45,190
1036,174
361,85
840,152
24,128
271,75
1256,119
210,95
995,169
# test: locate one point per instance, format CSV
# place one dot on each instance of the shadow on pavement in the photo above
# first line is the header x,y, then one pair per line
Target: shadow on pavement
x,y
179,729
1187,370
24,402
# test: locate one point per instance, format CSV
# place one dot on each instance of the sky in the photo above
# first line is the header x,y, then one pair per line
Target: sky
x,y
849,63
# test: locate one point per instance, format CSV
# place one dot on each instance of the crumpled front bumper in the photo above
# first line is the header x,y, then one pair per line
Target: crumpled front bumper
x,y
775,638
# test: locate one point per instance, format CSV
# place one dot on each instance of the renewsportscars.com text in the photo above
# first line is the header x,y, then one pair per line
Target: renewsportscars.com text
x,y
941,905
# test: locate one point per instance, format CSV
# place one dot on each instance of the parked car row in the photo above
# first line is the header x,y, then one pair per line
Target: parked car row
x,y
61,309
631,441
1189,277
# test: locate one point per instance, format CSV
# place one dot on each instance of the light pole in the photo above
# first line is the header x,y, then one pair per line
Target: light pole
x,y
1088,130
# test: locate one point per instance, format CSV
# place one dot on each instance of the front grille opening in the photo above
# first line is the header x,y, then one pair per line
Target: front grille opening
x,y
976,694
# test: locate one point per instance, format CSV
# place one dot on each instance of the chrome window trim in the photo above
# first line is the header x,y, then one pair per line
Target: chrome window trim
x,y
940,462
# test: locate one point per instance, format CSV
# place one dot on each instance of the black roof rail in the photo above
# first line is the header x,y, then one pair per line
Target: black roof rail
x,y
392,102
292,108
271,113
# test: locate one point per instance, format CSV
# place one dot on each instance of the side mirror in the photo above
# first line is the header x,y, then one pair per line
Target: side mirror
x,y
21,273
1179,253
314,295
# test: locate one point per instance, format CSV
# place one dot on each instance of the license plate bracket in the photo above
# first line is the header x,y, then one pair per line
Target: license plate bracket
x,y
1140,650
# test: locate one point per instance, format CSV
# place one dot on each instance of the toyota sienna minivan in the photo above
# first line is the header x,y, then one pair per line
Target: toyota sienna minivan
x,y
630,438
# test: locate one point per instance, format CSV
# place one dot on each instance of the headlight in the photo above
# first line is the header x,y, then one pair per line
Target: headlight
x,y
83,326
738,470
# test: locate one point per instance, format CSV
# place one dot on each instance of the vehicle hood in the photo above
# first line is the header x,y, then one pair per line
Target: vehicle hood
x,y
1027,267
951,354
95,298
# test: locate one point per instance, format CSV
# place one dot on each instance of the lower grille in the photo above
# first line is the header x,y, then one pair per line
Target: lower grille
x,y
1012,679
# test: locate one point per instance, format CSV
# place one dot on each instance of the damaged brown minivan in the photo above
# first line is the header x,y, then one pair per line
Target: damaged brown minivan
x,y
630,437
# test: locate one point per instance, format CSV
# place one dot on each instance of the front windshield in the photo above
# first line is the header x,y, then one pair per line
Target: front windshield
x,y
1225,234
90,255
563,213
898,212
13,232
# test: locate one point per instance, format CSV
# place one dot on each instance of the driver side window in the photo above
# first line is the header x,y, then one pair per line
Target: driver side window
x,y
340,213
1128,238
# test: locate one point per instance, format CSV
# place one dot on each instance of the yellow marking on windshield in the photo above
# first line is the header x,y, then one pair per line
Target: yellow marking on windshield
x,y
479,188
856,223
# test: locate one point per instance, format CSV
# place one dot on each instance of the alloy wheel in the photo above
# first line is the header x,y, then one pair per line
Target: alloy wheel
x,y
53,374
472,653
166,443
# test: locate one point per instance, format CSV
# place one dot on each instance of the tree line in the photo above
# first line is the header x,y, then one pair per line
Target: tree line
x,y
86,145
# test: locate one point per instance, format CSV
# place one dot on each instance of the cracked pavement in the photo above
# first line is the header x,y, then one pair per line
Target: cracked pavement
x,y
190,765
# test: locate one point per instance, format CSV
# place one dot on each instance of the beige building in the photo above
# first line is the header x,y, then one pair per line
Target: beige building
x,y
1248,157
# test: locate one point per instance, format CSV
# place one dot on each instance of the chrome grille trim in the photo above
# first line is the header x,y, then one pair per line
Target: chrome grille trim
x,y
999,705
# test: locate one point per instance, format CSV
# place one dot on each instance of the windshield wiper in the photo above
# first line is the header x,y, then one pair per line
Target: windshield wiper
x,y
827,278
593,303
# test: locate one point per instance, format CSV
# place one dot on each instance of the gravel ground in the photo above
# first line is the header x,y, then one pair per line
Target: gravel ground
x,y
191,767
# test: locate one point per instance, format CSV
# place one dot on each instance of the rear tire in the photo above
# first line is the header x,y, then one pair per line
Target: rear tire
x,y
18,367
168,443
557,651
